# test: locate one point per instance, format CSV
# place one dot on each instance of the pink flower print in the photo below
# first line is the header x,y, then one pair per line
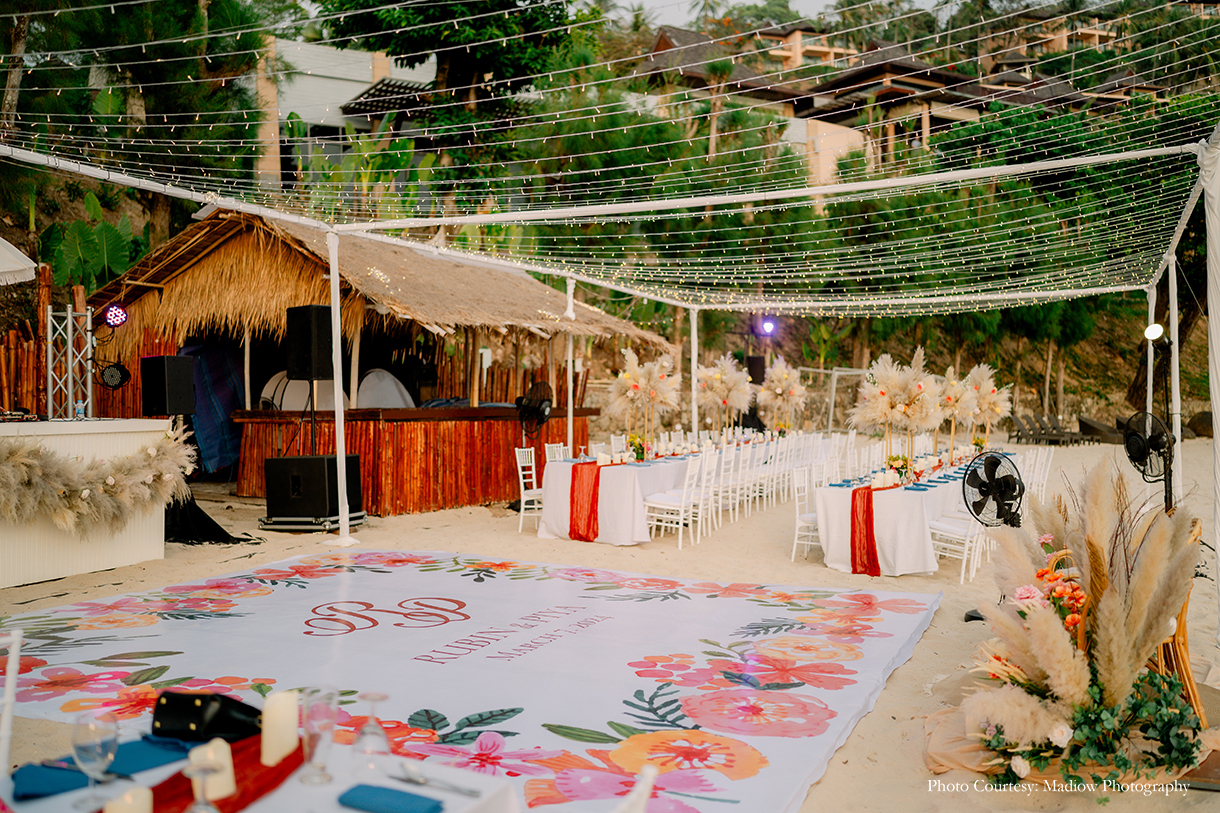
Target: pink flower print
x,y
736,590
639,583
586,574
759,713
391,559
843,632
297,572
588,785
61,680
223,588
488,756
821,675
127,604
867,604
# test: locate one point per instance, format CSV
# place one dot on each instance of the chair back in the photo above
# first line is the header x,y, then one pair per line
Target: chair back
x,y
618,444
691,481
556,451
10,639
598,448
526,473
800,490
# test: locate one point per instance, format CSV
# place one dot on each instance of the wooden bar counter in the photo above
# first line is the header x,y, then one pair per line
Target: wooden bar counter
x,y
411,460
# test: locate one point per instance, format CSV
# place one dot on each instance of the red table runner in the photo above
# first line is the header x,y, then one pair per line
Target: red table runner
x,y
582,522
863,543
254,780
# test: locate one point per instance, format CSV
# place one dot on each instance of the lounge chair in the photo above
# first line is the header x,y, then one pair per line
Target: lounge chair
x,y
1050,435
1073,437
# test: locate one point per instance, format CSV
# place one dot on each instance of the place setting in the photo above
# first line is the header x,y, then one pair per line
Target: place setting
x,y
214,754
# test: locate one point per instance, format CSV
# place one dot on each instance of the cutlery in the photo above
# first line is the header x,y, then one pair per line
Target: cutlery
x,y
72,766
414,776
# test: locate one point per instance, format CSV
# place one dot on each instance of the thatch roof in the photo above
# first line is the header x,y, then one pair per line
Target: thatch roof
x,y
233,272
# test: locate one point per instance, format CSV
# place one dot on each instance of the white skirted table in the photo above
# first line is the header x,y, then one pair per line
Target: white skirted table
x,y
38,550
622,490
900,526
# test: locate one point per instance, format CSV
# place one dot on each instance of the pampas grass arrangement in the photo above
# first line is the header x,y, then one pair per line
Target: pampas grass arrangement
x,y
782,396
625,389
958,402
992,403
94,496
724,391
1090,599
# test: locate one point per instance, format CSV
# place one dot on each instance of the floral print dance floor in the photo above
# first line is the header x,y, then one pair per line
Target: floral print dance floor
x,y
565,679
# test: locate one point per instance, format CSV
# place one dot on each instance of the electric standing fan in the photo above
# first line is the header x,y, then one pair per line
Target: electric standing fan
x,y
992,490
1149,445
534,408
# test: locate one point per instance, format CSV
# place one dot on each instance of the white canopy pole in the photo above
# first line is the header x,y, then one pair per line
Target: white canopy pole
x,y
1175,394
694,372
336,350
1151,354
1209,163
571,314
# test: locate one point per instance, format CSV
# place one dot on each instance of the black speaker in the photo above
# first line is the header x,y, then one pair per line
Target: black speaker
x,y
309,345
305,486
757,368
167,385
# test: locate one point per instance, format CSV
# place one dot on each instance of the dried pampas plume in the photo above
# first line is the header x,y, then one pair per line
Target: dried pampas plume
x,y
98,496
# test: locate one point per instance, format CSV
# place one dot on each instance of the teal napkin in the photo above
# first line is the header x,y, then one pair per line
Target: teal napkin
x,y
387,800
37,781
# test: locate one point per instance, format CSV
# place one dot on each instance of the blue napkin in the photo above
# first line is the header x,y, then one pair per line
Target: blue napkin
x,y
639,465
36,781
387,800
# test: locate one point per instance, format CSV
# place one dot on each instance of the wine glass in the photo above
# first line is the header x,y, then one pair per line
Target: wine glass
x,y
371,749
95,740
320,706
198,773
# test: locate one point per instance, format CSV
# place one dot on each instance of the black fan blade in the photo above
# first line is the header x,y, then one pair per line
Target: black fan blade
x,y
978,505
1007,487
975,480
990,464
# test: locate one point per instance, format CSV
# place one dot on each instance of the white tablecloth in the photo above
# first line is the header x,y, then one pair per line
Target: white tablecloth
x,y
900,526
621,493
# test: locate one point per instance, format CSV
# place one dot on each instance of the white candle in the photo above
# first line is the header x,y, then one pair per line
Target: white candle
x,y
222,783
280,717
134,800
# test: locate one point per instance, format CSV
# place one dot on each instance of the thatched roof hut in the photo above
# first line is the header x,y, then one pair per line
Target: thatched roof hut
x,y
236,274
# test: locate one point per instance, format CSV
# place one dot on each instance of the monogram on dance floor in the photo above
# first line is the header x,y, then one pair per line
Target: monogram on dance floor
x,y
564,679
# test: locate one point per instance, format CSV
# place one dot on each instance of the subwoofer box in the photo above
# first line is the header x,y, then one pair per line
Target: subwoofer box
x,y
305,486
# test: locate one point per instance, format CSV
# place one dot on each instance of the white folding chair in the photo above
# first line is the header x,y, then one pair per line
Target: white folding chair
x,y
618,444
676,510
724,488
955,539
598,448
556,451
531,493
10,639
806,516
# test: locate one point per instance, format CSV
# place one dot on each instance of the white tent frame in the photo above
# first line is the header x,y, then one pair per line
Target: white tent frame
x,y
1207,153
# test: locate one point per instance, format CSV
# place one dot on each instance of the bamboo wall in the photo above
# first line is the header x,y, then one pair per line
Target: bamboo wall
x,y
502,385
22,371
408,467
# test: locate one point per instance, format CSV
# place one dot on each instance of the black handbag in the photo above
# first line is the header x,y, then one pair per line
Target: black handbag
x,y
200,717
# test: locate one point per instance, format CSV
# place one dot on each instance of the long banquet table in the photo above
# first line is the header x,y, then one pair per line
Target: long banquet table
x,y
900,524
621,494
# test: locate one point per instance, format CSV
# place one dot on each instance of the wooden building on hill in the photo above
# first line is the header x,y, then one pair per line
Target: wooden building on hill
x,y
459,340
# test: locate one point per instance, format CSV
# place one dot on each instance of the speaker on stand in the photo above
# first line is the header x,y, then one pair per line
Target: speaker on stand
x,y
167,385
302,491
307,336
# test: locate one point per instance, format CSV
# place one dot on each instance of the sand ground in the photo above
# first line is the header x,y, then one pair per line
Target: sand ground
x,y
880,768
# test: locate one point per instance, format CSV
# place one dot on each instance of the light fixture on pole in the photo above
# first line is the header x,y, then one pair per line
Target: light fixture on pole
x,y
1155,333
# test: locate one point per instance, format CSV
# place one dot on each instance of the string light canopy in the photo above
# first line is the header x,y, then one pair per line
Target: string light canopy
x,y
954,224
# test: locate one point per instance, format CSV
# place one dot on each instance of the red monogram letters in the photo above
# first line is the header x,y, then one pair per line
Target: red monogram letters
x,y
342,617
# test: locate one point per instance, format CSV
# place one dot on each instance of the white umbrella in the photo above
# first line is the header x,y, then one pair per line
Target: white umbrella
x,y
14,266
